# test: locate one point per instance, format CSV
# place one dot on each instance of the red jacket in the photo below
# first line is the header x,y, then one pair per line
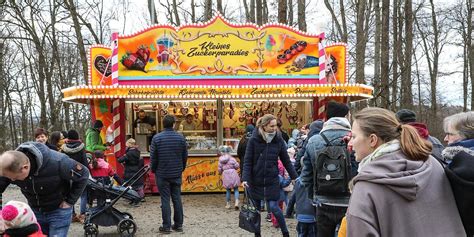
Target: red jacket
x,y
103,169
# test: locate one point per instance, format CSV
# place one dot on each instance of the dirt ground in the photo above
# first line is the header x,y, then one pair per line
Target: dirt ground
x,y
204,215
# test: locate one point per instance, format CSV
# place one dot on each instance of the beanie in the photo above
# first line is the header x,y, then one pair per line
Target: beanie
x,y
249,128
73,135
335,109
406,116
98,124
17,215
98,154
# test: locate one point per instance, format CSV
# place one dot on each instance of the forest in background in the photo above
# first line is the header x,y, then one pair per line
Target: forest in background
x,y
398,46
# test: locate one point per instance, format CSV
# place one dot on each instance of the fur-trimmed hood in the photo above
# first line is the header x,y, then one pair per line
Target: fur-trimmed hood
x,y
72,148
451,151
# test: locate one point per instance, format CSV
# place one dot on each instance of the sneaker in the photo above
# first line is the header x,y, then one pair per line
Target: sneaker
x,y
177,228
164,230
227,205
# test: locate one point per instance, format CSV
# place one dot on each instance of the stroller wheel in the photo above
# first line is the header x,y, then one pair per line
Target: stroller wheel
x,y
127,227
127,215
91,231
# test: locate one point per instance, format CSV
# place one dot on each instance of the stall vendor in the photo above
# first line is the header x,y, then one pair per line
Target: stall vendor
x,y
189,123
146,120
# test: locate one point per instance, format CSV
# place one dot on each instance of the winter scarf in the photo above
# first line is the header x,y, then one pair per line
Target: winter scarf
x,y
389,147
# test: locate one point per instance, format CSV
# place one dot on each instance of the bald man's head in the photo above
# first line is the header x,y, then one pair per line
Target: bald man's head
x,y
14,165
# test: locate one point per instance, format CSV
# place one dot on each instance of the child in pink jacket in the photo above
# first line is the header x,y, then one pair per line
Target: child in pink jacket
x,y
228,167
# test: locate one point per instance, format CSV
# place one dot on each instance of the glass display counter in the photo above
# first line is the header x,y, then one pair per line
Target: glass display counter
x,y
201,141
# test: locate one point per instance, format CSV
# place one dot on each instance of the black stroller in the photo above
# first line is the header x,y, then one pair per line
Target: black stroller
x,y
104,214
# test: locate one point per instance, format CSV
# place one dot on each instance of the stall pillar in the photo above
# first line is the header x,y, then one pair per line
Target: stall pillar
x,y
319,107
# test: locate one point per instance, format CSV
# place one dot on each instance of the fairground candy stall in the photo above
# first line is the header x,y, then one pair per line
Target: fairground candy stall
x,y
216,78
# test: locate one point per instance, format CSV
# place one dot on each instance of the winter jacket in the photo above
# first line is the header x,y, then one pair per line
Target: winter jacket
x,y
261,166
242,147
168,154
424,133
228,167
305,211
334,129
94,140
133,163
394,196
461,173
75,150
314,128
53,178
294,135
103,169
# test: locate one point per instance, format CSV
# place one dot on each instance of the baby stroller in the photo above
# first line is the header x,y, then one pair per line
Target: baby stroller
x,y
104,214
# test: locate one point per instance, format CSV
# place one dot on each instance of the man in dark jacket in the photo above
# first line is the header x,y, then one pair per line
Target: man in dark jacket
x,y
168,156
75,149
50,181
329,208
243,144
407,116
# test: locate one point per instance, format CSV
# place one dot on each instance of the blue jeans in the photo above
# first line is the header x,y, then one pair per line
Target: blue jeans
x,y
227,194
54,223
170,187
306,229
275,209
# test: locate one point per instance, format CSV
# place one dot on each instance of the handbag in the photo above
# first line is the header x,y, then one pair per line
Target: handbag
x,y
249,216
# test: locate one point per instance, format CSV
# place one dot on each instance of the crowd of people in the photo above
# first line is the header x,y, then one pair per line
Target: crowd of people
x,y
376,173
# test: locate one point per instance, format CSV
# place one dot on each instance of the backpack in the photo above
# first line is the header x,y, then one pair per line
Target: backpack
x,y
460,173
333,169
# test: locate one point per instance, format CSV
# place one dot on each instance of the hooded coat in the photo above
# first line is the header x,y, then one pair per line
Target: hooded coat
x,y
75,150
133,163
228,167
394,196
261,166
53,178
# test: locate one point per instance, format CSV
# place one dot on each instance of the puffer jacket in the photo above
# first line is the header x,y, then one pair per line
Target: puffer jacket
x,y
228,167
94,141
334,129
261,166
54,178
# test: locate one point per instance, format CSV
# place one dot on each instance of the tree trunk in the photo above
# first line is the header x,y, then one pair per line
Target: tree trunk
x,y
377,54
265,12
193,12
247,12
80,40
470,43
3,92
290,12
396,55
207,10
301,15
175,11
360,42
252,11
282,9
384,57
259,12
407,93
219,7
152,12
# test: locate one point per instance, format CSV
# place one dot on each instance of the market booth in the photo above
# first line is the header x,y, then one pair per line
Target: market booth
x,y
216,78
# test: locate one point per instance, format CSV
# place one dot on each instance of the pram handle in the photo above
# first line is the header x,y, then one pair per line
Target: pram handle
x,y
137,176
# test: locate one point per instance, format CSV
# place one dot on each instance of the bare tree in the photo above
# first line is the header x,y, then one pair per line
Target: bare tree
x,y
282,9
384,57
207,10
152,12
219,7
80,40
302,15
341,26
252,11
377,43
406,80
259,12
247,11
175,11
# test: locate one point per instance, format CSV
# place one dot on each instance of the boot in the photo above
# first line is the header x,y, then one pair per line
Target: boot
x,y
227,205
236,205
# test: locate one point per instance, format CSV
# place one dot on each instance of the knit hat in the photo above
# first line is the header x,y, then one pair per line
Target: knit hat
x,y
249,128
73,135
130,143
17,215
406,116
98,124
98,154
224,149
335,109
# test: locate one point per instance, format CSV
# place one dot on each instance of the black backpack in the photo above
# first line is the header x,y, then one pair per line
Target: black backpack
x,y
333,169
460,173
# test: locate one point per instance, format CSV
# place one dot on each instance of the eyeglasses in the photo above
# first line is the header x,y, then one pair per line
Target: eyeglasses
x,y
451,134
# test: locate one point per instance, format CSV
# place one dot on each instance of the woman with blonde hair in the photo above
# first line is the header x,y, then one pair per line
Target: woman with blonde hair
x,y
400,190
260,171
